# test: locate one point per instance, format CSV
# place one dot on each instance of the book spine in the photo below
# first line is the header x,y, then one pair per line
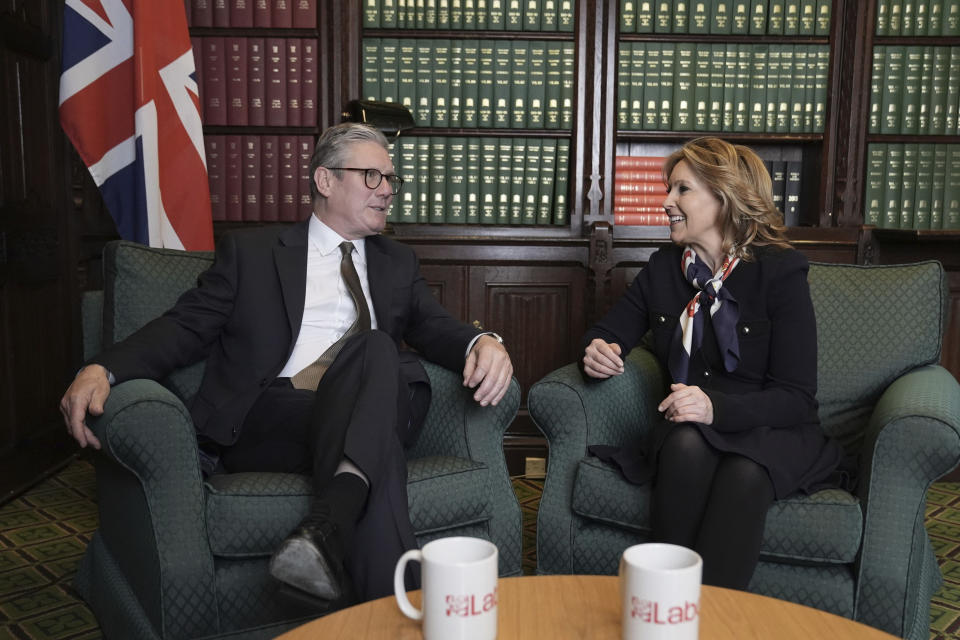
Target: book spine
x,y
407,75
305,14
270,178
758,17
791,193
908,185
532,15
281,14
308,82
252,174
548,171
549,16
214,147
910,96
443,14
455,109
926,89
221,13
778,183
441,83
644,219
233,176
938,90
934,17
951,191
653,198
564,15
893,175
261,14
456,183
472,181
502,83
820,87
241,13
798,89
758,87
741,96
639,175
808,18
237,97
289,187
701,88
304,153
876,88
907,17
772,85
627,116
939,183
276,81
621,188
370,84
784,89
953,92
531,181
882,21
371,14
566,100
486,79
721,17
681,17
456,14
505,170
256,82
922,208
639,162
519,79
873,194
729,86
496,18
628,16
644,16
651,85
699,18
920,18
536,84
489,176
423,179
560,214
667,74
424,71
663,17
201,13
682,87
776,18
214,81
196,47
791,18
517,177
740,20
893,79
471,82
408,171
471,14
514,16
822,25
388,14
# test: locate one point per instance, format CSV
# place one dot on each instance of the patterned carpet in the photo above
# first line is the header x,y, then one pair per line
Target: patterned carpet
x,y
43,534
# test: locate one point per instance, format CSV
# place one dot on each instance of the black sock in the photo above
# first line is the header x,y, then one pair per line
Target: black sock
x,y
342,501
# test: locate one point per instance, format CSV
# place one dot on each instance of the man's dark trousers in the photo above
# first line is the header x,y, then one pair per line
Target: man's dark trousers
x,y
370,404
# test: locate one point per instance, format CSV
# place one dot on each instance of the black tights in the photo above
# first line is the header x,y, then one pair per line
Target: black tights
x,y
712,502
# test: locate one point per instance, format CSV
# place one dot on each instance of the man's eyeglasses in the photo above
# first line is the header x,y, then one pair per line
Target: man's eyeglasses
x,y
373,177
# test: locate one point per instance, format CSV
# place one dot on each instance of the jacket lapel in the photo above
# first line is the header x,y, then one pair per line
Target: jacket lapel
x,y
290,257
378,277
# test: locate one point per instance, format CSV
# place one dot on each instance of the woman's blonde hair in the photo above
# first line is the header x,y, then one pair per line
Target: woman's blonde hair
x,y
738,178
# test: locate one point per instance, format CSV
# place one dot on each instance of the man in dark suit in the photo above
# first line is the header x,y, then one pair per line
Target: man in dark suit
x,y
300,328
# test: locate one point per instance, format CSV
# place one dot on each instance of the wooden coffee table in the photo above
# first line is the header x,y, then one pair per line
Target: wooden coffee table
x,y
588,607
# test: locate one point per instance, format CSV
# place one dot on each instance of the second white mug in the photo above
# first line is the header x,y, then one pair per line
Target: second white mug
x,y
459,579
660,590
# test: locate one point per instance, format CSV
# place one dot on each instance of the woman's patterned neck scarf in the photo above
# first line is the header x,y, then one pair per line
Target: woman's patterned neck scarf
x,y
724,313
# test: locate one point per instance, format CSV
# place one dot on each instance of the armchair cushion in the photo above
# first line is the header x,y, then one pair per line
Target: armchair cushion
x,y
432,481
823,528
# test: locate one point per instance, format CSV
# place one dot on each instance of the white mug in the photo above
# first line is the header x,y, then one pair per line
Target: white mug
x,y
660,591
459,577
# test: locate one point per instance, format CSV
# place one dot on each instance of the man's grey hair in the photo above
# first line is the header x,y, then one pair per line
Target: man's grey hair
x,y
333,145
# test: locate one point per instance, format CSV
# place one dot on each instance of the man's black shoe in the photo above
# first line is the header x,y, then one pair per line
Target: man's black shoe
x,y
311,559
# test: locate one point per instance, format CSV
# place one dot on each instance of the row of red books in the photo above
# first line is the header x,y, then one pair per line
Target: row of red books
x,y
257,81
259,178
276,14
638,191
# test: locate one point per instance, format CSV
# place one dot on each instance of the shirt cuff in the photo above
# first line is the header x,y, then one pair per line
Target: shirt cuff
x,y
477,337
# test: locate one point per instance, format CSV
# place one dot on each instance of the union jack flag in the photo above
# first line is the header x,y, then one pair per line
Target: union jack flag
x,y
130,104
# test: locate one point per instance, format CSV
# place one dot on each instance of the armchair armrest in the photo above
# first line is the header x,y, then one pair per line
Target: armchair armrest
x,y
573,413
151,501
457,426
912,438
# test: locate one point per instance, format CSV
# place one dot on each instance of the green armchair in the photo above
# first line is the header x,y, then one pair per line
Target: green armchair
x,y
865,556
177,556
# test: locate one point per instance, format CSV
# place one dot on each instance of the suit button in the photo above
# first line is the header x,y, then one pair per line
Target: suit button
x,y
234,431
263,382
745,331
661,320
706,374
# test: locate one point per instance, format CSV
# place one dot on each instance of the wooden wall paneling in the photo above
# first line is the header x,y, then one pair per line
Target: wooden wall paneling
x,y
448,283
39,321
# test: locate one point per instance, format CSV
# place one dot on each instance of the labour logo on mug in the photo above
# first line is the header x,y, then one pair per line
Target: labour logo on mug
x,y
654,612
464,606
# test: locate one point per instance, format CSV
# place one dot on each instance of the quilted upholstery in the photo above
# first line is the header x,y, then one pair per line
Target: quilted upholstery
x,y
865,556
177,557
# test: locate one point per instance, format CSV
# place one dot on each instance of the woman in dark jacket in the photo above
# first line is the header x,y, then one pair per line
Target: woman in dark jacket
x,y
731,319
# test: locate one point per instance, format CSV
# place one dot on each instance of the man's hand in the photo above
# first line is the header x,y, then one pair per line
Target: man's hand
x,y
489,366
602,359
687,404
88,392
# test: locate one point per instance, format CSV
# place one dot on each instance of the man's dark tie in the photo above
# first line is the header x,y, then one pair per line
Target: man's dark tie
x,y
309,376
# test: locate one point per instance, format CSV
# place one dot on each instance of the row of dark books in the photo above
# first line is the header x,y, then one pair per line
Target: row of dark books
x,y
639,190
257,81
469,15
481,180
918,18
913,186
256,178
683,86
275,14
473,83
915,90
758,17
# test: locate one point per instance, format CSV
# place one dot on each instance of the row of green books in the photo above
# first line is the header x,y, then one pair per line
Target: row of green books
x,y
918,18
494,15
915,90
519,84
770,88
913,186
457,180
759,17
